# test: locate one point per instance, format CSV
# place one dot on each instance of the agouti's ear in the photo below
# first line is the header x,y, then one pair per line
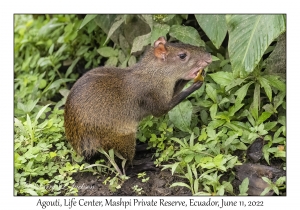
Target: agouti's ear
x,y
160,50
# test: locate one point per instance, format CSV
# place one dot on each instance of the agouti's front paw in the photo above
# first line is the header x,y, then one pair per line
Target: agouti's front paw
x,y
196,85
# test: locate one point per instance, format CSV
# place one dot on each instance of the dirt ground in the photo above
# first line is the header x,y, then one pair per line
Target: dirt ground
x,y
159,181
157,185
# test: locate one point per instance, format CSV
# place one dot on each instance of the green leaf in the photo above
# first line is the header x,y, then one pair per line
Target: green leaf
x,y
211,93
256,101
282,120
218,160
44,62
29,125
230,140
263,117
267,180
30,191
211,132
270,125
269,108
233,109
214,26
275,82
148,19
266,190
174,166
222,77
241,146
266,153
107,52
265,84
228,186
280,181
132,60
60,51
241,93
47,29
56,84
118,22
204,116
196,185
139,42
186,34
180,184
181,116
40,112
70,69
27,107
51,49
213,111
278,100
82,50
158,31
189,158
189,174
86,20
112,62
216,123
234,83
20,125
244,186
250,36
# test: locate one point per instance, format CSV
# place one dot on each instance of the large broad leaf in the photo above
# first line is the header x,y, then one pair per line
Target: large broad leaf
x,y
222,77
214,26
118,22
181,115
105,22
250,36
158,31
187,35
139,42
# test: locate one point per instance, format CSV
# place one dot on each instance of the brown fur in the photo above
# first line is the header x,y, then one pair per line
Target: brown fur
x,y
105,105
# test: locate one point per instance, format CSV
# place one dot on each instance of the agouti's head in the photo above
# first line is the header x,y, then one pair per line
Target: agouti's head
x,y
176,60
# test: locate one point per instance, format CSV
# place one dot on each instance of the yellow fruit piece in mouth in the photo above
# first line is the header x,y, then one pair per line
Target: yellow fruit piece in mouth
x,y
199,76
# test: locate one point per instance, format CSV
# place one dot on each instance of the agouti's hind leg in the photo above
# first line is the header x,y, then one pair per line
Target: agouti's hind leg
x,y
126,148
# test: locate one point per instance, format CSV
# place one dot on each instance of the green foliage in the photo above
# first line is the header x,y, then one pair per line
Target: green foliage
x,y
42,160
143,177
279,184
137,190
250,36
197,140
217,31
44,46
244,186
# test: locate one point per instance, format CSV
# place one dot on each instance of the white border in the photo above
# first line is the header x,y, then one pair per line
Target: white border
x,y
8,201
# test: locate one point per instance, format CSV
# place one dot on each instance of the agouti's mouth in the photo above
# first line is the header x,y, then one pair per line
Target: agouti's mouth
x,y
197,73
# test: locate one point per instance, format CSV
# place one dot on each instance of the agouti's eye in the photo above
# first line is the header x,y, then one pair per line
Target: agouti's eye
x,y
182,56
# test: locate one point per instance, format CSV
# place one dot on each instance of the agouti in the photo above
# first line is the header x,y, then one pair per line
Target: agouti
x,y
105,105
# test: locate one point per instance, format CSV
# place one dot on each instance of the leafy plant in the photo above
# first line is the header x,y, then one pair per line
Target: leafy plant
x,y
42,164
244,186
137,190
279,184
44,45
143,177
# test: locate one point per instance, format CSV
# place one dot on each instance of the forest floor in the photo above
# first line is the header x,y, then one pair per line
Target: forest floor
x,y
159,181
